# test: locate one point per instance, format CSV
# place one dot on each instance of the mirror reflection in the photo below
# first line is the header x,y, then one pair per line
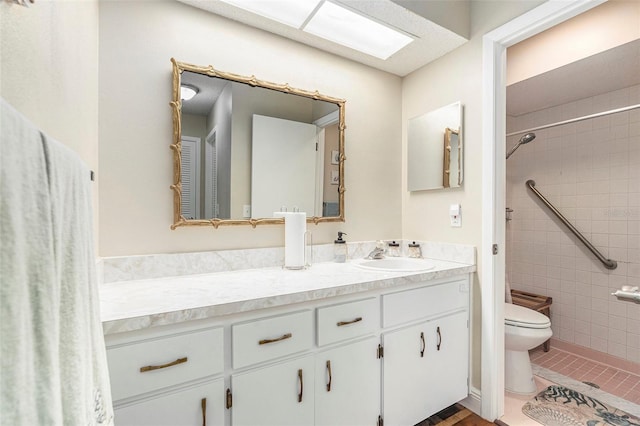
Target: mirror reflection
x,y
435,149
249,148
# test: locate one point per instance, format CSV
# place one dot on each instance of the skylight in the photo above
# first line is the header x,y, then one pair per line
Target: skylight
x,y
332,22
343,26
289,12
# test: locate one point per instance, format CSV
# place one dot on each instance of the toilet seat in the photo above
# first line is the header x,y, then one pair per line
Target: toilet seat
x,y
519,316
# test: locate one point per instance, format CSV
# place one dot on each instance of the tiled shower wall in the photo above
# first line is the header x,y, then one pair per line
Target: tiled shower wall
x,y
590,171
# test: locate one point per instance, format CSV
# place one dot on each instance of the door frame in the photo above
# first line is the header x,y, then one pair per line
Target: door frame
x,y
211,174
494,67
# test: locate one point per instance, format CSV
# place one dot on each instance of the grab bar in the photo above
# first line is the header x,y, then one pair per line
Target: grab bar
x,y
608,263
629,295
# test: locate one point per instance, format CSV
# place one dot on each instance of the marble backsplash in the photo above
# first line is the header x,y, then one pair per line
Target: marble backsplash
x,y
129,268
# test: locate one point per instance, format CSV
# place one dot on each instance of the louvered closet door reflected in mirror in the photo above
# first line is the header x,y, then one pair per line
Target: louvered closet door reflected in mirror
x,y
190,170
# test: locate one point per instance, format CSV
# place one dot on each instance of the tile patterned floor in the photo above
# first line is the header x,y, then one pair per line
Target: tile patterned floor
x,y
513,415
609,379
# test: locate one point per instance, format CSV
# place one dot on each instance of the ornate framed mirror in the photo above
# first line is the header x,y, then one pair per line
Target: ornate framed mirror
x,y
246,148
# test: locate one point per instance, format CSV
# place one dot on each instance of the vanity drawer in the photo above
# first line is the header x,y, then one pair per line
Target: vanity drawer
x,y
411,305
269,338
147,365
348,320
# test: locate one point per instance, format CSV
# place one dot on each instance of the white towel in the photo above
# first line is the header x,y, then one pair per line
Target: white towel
x,y
53,358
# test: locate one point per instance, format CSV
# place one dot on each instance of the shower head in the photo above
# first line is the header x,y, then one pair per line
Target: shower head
x,y
526,138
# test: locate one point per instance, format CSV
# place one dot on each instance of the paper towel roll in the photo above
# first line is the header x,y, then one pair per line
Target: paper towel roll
x,y
295,226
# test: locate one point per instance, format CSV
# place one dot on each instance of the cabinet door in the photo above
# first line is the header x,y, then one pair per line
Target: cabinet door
x,y
406,385
280,394
183,407
425,369
447,353
348,385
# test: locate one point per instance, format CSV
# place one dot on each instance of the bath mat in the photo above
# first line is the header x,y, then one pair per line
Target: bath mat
x,y
560,406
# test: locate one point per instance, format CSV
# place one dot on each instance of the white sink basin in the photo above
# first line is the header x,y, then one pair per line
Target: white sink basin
x,y
395,264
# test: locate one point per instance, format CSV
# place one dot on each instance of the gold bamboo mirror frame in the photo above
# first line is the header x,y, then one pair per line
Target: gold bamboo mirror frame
x,y
327,173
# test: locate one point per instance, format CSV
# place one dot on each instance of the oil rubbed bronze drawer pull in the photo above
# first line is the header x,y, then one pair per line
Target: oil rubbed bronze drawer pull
x,y
330,376
158,367
203,406
423,344
439,338
301,385
278,339
353,321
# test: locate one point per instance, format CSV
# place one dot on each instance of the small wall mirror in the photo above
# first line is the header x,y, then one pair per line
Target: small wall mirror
x,y
435,149
246,148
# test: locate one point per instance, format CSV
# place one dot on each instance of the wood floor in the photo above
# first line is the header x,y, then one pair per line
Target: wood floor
x,y
456,415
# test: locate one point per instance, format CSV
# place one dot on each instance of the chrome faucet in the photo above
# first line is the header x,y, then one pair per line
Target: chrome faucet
x,y
378,252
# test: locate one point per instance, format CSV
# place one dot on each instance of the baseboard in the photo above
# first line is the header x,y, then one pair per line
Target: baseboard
x,y
597,356
474,401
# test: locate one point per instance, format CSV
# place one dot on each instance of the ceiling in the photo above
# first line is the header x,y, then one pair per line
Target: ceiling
x,y
432,40
209,89
604,72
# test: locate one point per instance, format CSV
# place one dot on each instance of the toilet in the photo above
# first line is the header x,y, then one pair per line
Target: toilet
x,y
524,329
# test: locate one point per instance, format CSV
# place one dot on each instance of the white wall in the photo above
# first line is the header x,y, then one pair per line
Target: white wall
x,y
137,39
611,24
455,77
49,72
591,172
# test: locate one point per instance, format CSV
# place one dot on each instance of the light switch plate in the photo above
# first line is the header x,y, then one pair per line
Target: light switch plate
x,y
455,214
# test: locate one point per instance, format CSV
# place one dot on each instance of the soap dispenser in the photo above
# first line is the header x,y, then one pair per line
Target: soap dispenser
x,y
340,249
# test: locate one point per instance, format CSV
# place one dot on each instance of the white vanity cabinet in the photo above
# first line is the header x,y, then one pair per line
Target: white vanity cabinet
x,y
348,385
348,372
167,378
280,394
196,405
426,363
339,386
336,385
394,355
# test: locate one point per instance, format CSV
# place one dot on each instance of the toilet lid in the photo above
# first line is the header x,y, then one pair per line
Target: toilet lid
x,y
519,316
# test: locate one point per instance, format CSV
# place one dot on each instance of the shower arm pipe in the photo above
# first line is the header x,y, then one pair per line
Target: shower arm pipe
x,y
575,120
608,263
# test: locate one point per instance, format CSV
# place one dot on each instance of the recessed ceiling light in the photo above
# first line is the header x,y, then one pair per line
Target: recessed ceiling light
x,y
289,12
343,26
187,92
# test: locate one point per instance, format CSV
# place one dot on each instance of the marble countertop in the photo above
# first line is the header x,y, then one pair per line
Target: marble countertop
x,y
135,305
